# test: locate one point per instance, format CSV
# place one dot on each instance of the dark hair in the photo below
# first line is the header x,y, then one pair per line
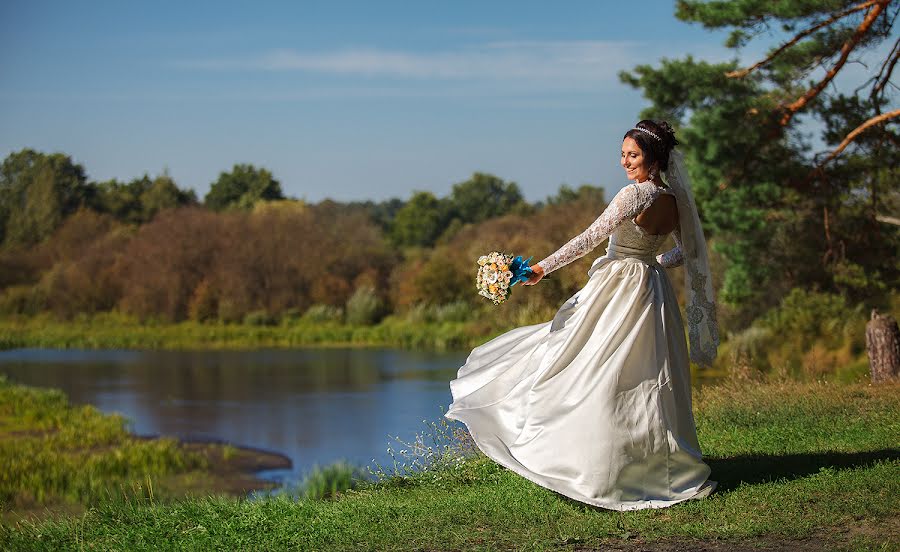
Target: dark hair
x,y
654,150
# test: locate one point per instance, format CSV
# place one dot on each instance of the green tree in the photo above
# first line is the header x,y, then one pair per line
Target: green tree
x,y
37,191
137,201
566,194
163,193
382,212
782,217
242,188
420,221
121,200
484,196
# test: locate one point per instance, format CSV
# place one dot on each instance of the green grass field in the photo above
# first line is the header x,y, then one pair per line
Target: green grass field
x,y
800,466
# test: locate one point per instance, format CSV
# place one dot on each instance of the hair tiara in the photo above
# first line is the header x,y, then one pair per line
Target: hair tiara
x,y
658,139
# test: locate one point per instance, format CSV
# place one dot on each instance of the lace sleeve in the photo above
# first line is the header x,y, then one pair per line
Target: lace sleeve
x,y
630,201
675,256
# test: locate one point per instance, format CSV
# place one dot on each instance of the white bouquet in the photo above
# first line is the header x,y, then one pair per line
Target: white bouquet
x,y
498,273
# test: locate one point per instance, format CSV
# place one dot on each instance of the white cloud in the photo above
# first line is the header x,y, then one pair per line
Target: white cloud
x,y
586,61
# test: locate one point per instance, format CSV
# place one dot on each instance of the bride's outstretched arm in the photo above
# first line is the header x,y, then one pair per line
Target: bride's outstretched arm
x,y
630,201
674,256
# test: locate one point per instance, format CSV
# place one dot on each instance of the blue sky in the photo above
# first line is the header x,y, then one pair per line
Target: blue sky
x,y
347,100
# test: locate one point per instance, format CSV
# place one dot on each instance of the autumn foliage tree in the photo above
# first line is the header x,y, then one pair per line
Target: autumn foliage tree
x,y
192,263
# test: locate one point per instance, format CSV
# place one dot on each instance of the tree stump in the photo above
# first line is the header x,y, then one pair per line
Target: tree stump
x,y
883,347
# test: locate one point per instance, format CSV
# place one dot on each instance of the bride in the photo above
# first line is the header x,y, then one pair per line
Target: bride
x,y
595,404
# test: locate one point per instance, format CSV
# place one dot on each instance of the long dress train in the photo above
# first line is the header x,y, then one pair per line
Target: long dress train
x,y
596,403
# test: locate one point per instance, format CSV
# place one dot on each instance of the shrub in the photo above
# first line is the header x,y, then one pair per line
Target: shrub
x,y
809,335
259,318
424,313
204,303
291,316
806,316
364,306
323,313
23,299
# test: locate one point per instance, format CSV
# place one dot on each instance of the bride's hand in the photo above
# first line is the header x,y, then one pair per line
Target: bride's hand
x,y
537,274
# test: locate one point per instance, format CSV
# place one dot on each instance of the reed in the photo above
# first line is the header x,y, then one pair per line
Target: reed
x,y
59,459
54,452
324,482
107,331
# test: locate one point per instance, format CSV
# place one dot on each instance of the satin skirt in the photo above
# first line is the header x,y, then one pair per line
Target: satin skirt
x,y
594,404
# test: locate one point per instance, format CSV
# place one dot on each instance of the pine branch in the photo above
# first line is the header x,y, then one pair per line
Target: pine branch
x,y
884,74
856,132
876,10
744,72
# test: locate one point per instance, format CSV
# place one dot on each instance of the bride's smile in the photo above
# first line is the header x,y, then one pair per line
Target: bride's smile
x,y
633,161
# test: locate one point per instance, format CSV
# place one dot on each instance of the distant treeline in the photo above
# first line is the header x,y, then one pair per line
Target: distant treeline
x,y
246,254
153,250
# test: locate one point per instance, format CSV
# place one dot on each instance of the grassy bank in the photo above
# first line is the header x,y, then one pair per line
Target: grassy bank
x,y
800,465
111,331
57,458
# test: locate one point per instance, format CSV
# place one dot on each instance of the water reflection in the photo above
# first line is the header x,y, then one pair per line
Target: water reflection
x,y
314,405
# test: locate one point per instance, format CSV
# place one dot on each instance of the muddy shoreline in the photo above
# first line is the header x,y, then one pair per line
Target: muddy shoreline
x,y
236,473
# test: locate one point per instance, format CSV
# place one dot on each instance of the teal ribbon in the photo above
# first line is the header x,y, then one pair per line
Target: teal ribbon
x,y
520,270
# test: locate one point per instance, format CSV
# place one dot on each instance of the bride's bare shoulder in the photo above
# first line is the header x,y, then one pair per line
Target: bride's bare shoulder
x,y
660,216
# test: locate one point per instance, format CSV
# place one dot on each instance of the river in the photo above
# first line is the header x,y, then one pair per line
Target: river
x,y
314,405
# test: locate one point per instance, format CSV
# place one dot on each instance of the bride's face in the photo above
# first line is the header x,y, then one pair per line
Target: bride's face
x,y
633,161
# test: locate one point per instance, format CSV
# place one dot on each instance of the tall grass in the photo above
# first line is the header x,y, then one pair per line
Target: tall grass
x,y
113,331
54,452
323,482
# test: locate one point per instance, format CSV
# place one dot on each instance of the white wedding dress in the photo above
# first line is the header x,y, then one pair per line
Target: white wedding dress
x,y
596,403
